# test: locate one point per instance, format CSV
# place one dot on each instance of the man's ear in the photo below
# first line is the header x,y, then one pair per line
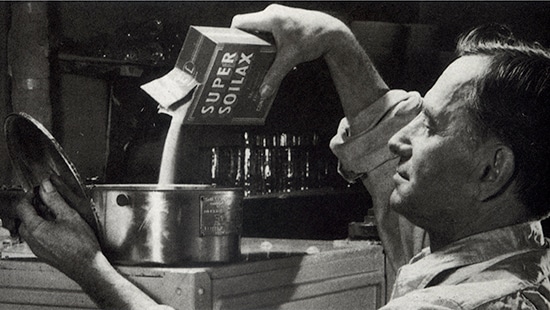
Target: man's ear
x,y
497,172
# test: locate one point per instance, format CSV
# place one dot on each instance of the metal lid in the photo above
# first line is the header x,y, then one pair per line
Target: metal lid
x,y
36,155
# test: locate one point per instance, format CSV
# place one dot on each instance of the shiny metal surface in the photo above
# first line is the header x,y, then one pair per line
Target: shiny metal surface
x,y
36,155
165,224
169,224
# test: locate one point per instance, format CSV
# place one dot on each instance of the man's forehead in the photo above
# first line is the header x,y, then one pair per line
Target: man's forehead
x,y
465,68
454,82
446,100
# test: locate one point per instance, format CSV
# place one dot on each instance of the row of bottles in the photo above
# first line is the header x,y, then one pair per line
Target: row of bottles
x,y
273,163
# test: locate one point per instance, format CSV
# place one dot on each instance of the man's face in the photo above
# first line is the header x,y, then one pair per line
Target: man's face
x,y
435,181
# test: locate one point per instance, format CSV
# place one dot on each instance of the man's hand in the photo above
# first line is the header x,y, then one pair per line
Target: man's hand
x,y
68,243
303,35
65,242
300,35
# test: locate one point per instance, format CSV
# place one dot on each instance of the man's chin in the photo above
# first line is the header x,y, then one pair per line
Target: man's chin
x,y
406,209
397,202
402,204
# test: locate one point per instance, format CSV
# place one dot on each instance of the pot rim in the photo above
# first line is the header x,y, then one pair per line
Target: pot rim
x,y
162,187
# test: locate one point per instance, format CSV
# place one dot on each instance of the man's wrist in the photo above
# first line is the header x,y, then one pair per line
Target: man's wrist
x,y
96,275
339,38
341,42
356,79
108,288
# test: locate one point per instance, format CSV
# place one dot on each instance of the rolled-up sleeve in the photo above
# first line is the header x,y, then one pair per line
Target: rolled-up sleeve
x,y
361,147
361,143
160,307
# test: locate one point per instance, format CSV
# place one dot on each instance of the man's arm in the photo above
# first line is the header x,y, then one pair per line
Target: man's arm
x,y
69,244
303,35
354,75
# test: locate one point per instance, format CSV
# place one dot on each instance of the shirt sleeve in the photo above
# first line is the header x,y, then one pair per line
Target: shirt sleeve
x,y
361,143
361,147
160,307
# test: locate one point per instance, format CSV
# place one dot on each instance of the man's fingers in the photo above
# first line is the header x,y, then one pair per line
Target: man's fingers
x,y
281,66
72,198
286,58
27,213
251,22
264,21
25,210
24,232
76,203
53,199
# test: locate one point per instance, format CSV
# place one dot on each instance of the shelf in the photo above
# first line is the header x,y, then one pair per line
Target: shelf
x,y
315,192
86,65
98,60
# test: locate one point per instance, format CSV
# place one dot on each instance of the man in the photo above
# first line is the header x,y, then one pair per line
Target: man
x,y
468,164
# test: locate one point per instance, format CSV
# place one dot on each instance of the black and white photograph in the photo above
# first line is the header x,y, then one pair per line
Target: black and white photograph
x,y
294,155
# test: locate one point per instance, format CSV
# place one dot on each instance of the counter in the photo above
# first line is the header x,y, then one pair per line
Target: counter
x,y
273,273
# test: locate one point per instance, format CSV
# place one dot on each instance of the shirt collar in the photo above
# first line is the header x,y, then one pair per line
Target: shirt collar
x,y
470,250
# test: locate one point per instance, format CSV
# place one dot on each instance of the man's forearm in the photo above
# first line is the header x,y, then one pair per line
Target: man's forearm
x,y
354,75
110,290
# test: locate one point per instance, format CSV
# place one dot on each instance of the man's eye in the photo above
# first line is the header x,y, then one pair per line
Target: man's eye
x,y
426,122
430,128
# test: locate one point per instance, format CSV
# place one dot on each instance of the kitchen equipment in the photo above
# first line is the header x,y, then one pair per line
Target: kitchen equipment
x,y
36,155
167,224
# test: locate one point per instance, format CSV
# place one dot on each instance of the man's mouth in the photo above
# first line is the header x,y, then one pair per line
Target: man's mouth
x,y
402,174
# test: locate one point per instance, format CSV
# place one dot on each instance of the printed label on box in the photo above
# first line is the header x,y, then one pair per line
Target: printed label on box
x,y
224,68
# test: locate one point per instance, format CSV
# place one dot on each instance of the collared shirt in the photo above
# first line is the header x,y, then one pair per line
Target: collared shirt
x,y
501,269
361,145
507,268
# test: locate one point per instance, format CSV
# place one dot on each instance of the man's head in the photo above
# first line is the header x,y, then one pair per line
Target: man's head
x,y
512,103
482,132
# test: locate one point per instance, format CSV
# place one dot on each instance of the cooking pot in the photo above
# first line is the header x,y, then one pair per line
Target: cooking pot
x,y
168,224
135,223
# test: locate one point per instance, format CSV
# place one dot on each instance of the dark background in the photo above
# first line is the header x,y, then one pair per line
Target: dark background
x,y
410,42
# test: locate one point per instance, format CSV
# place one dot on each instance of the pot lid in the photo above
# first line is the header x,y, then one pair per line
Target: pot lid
x,y
36,155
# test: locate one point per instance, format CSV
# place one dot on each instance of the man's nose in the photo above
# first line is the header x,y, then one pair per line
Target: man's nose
x,y
400,143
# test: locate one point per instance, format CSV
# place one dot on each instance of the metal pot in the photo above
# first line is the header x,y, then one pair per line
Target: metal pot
x,y
169,225
135,223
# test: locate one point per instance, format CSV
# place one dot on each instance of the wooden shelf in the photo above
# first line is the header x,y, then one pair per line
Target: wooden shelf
x,y
302,274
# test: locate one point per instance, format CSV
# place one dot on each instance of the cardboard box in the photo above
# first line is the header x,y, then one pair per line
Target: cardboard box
x,y
219,71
